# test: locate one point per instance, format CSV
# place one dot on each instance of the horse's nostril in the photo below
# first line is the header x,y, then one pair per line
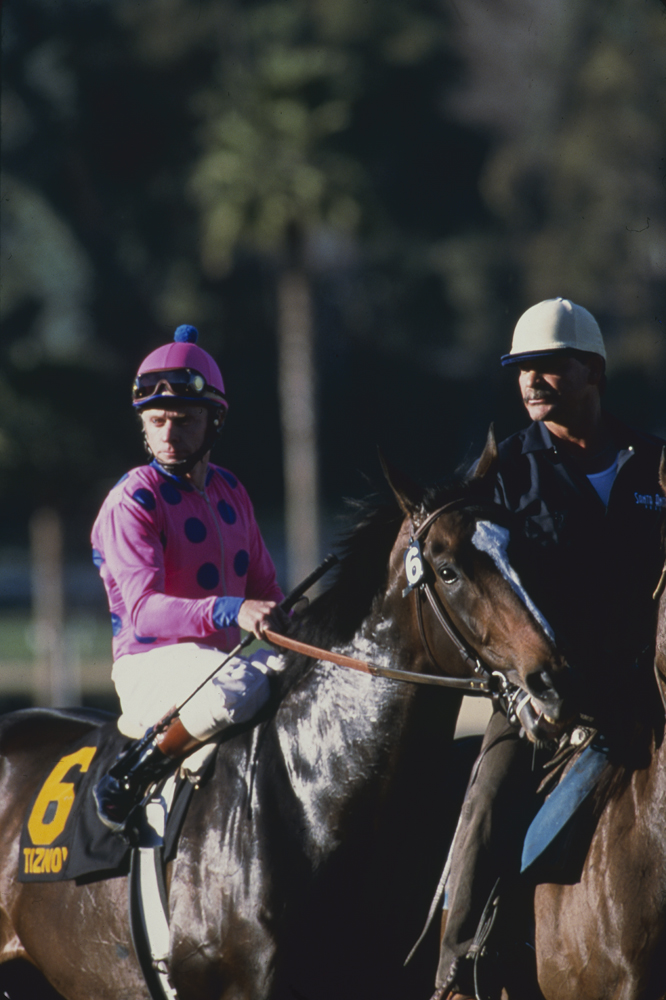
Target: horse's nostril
x,y
539,683
547,697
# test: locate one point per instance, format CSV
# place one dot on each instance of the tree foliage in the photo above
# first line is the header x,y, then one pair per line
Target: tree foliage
x,y
577,176
446,165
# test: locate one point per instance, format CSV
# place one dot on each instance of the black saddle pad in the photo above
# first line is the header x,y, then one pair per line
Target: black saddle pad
x,y
62,836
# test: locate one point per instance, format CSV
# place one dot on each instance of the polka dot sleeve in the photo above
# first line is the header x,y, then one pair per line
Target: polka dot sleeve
x,y
130,538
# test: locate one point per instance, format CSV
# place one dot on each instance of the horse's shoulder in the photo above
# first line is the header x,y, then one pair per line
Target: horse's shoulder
x,y
35,729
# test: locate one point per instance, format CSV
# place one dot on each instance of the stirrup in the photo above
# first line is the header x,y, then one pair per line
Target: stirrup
x,y
122,788
478,953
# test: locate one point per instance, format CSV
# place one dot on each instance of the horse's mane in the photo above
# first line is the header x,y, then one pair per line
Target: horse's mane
x,y
362,549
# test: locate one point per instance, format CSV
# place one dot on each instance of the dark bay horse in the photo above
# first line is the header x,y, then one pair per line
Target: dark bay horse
x,y
604,937
308,857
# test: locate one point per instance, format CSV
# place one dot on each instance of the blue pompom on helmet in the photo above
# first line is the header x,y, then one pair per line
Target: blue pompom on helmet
x,y
179,372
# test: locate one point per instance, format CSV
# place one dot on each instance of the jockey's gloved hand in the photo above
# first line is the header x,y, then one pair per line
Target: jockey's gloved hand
x,y
257,616
278,619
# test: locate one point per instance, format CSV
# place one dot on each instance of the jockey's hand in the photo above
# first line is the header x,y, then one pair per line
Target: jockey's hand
x,y
257,616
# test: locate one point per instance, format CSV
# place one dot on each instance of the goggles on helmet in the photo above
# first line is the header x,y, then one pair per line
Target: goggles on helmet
x,y
178,382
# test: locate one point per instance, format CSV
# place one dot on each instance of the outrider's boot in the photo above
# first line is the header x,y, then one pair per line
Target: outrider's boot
x,y
126,782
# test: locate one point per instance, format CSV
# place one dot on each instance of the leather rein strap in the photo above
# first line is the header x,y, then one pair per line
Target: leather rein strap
x,y
464,683
482,684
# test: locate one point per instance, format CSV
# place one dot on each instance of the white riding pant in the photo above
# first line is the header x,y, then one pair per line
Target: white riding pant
x,y
150,684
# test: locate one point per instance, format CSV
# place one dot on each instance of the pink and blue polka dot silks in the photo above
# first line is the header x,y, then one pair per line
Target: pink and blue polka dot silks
x,y
176,563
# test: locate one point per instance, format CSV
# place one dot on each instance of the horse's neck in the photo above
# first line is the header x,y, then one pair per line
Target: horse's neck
x,y
358,736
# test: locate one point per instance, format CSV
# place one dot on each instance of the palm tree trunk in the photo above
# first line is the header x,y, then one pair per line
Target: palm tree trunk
x,y
56,681
298,419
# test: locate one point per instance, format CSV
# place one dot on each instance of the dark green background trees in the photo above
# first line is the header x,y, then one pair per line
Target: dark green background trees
x,y
432,168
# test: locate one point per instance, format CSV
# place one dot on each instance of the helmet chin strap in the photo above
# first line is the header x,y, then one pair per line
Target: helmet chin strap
x,y
183,467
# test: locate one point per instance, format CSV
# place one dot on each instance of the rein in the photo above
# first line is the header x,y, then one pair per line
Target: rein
x,y
463,683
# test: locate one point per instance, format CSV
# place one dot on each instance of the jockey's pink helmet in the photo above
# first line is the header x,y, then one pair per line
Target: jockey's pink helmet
x,y
179,372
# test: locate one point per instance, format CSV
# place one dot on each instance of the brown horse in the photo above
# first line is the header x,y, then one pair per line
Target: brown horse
x,y
322,826
604,937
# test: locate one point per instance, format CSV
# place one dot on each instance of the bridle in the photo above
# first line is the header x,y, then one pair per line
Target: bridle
x,y
422,587
419,577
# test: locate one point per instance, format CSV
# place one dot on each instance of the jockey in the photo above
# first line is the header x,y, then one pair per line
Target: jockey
x,y
185,568
584,490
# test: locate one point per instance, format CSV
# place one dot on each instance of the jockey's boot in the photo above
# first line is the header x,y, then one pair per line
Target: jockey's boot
x,y
146,761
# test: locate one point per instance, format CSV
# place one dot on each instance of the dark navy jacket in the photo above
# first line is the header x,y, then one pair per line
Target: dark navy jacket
x,y
591,570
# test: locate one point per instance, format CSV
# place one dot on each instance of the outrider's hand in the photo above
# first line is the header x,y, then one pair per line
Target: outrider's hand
x,y
257,616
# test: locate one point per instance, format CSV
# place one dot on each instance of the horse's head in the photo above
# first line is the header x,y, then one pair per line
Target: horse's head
x,y
468,611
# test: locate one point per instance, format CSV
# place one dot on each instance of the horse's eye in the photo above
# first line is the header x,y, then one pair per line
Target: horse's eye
x,y
447,574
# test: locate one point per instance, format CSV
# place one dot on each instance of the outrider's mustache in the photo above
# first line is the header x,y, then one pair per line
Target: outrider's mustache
x,y
533,394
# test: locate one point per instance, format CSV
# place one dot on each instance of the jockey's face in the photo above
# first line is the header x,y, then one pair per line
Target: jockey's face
x,y
557,388
175,434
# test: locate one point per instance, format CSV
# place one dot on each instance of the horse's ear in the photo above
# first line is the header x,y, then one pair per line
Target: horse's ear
x,y
408,493
662,470
487,464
